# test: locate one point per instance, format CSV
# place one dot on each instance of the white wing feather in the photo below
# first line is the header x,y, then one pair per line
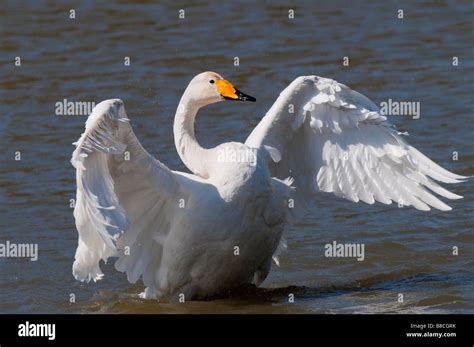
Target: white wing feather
x,y
123,198
333,139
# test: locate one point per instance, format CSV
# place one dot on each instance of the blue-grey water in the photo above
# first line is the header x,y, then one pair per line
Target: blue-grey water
x,y
407,251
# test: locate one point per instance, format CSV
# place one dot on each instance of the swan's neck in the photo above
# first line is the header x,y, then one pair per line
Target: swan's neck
x,y
189,150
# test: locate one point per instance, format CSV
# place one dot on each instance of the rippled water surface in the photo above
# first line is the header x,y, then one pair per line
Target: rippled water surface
x,y
407,251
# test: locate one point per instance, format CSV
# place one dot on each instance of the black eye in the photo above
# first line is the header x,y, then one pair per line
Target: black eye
x,y
211,81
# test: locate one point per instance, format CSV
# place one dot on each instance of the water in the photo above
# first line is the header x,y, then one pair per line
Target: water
x,y
407,252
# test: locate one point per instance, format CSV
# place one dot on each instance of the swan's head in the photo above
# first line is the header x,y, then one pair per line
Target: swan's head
x,y
210,87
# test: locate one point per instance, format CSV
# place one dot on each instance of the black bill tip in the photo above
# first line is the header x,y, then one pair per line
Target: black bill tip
x,y
242,97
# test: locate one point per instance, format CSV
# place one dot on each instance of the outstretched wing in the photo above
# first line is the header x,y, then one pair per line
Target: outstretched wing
x,y
333,139
125,197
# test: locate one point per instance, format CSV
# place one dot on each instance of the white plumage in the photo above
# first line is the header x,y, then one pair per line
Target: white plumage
x,y
218,228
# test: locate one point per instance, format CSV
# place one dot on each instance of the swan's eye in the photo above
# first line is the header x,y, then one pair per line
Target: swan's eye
x,y
211,81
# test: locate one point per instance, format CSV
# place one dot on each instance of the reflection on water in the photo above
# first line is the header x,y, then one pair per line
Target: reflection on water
x,y
407,252
371,295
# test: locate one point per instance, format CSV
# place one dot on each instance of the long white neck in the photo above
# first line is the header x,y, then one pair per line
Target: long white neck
x,y
191,153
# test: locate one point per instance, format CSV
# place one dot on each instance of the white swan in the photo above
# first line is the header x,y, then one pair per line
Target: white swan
x,y
217,228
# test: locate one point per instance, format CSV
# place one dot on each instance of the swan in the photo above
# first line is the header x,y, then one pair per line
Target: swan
x,y
219,227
